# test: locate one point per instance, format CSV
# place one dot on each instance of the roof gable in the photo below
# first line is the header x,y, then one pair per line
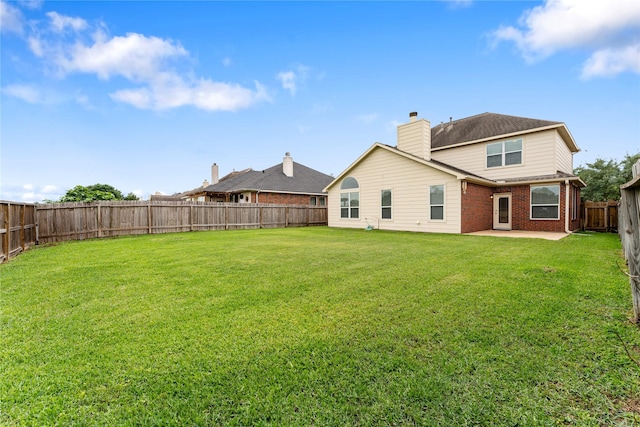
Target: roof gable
x,y
443,167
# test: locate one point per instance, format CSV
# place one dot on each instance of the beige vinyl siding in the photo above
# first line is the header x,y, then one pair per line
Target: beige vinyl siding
x,y
538,157
409,182
415,138
564,157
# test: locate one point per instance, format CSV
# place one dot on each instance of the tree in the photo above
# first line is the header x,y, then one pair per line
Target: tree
x,y
95,192
604,177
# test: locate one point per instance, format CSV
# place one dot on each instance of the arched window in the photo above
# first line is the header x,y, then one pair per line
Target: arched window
x,y
349,200
348,183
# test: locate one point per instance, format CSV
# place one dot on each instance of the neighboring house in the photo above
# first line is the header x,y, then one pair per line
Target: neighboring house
x,y
288,183
489,171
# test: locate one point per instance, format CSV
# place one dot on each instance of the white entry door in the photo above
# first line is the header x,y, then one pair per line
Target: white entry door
x,y
502,211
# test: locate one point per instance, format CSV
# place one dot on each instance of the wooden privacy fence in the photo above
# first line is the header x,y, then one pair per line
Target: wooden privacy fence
x,y
18,222
601,216
77,221
629,230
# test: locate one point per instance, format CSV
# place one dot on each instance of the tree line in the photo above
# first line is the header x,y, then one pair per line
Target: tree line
x,y
604,177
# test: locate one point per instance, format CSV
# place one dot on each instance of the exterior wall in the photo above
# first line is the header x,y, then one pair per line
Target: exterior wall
x,y
415,138
284,199
520,210
409,182
538,157
477,208
563,157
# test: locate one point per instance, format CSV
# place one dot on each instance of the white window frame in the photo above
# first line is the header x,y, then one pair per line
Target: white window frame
x,y
383,207
444,203
348,188
349,207
531,204
503,153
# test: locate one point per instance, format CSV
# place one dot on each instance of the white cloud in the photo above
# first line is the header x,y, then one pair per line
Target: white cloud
x,y
292,78
147,61
83,99
11,19
26,93
31,4
367,118
30,193
288,80
227,62
133,56
610,62
605,28
61,22
204,94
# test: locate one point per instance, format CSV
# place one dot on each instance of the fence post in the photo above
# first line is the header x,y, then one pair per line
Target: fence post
x,y
22,240
99,219
7,231
286,216
149,217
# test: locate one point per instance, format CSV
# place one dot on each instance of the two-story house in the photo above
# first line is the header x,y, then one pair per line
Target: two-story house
x,y
489,171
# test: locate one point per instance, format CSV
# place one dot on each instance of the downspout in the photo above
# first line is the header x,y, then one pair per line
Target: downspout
x,y
567,188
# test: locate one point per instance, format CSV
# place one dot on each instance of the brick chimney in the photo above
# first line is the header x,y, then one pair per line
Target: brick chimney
x,y
415,137
214,174
287,164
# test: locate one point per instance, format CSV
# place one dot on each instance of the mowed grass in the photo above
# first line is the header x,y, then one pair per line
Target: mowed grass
x,y
319,326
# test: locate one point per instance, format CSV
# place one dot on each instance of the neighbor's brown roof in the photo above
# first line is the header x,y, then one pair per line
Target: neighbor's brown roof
x,y
481,126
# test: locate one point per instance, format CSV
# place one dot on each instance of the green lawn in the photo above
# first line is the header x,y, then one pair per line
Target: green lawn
x,y
319,326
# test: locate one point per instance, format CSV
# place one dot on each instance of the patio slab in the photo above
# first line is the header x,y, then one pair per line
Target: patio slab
x,y
521,234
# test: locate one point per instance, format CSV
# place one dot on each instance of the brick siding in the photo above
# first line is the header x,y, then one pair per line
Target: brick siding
x,y
477,208
285,199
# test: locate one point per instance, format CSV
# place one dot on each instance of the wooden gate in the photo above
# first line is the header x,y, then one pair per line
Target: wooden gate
x,y
601,216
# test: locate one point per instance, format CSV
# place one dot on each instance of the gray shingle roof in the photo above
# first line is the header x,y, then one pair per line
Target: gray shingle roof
x,y
304,180
482,126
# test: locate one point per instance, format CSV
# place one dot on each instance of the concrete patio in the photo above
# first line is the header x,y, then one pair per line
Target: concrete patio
x,y
521,234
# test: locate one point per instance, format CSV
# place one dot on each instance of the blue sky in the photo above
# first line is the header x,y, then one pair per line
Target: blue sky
x,y
145,96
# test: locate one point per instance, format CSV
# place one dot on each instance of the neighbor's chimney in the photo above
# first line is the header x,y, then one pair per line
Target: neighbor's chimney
x,y
214,174
205,183
415,137
287,164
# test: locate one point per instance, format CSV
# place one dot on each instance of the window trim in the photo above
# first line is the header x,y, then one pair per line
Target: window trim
x,y
531,205
503,153
349,207
444,203
383,207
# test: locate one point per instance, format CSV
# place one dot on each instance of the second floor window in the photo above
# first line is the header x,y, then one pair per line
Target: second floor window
x,y
504,153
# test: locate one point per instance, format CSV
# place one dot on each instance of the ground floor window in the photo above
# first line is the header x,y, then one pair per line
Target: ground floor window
x,y
350,205
545,202
436,202
385,204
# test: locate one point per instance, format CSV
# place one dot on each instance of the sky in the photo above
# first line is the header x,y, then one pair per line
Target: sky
x,y
145,96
